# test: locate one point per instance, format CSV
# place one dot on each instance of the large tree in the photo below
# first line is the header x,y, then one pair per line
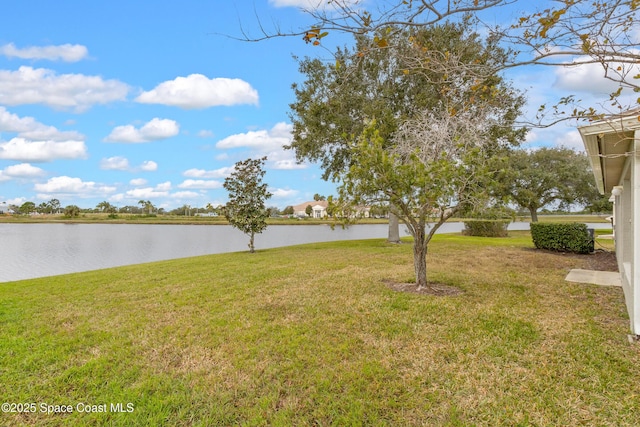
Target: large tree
x,y
438,160
339,98
246,209
534,179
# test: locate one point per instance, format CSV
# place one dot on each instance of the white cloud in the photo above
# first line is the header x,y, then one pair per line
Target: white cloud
x,y
29,128
114,163
566,136
18,201
570,139
216,173
122,164
148,166
200,183
264,140
137,182
267,143
65,52
286,164
69,185
42,151
198,91
10,122
145,193
77,92
185,195
586,78
151,131
21,171
281,193
164,186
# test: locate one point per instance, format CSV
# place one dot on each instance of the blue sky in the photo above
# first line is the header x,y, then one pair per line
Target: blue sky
x,y
124,100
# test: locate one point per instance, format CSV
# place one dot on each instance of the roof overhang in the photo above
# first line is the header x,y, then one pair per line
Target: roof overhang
x,y
608,143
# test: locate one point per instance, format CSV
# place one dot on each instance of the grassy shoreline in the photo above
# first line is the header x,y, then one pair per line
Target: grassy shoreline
x,y
310,335
174,219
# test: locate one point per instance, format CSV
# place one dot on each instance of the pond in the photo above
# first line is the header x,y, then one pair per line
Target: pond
x,y
36,250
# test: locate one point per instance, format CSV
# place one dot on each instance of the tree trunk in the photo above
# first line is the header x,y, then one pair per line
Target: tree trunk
x,y
251,247
394,228
534,214
420,259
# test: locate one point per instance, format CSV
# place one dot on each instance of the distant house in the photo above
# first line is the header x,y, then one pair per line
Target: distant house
x,y
318,209
4,208
363,211
613,147
207,214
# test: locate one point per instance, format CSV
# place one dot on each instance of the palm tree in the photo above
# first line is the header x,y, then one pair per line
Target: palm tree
x,y
146,204
55,205
106,207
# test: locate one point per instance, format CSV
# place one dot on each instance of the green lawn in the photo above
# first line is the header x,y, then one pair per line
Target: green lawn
x,y
310,335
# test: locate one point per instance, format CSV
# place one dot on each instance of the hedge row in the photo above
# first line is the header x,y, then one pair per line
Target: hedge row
x,y
570,237
486,227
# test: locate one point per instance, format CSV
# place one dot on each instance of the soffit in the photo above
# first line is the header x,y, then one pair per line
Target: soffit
x,y
606,144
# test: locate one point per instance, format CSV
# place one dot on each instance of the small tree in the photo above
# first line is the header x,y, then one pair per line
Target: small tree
x,y
439,164
146,204
72,211
308,210
288,210
55,205
43,208
106,207
27,207
245,209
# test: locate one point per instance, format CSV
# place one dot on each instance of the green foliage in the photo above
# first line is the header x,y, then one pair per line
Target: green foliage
x,y
486,227
106,207
600,204
27,207
246,209
288,210
72,211
334,104
411,126
538,178
570,237
437,165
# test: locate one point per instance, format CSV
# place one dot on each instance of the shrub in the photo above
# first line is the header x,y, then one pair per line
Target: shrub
x,y
486,227
571,237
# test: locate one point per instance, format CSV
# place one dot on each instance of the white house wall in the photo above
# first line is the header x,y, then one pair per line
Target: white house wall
x,y
631,255
613,147
627,233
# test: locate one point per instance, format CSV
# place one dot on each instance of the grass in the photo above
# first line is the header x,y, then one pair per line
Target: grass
x,y
309,335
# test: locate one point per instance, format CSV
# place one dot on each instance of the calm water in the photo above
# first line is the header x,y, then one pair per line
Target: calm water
x,y
37,250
